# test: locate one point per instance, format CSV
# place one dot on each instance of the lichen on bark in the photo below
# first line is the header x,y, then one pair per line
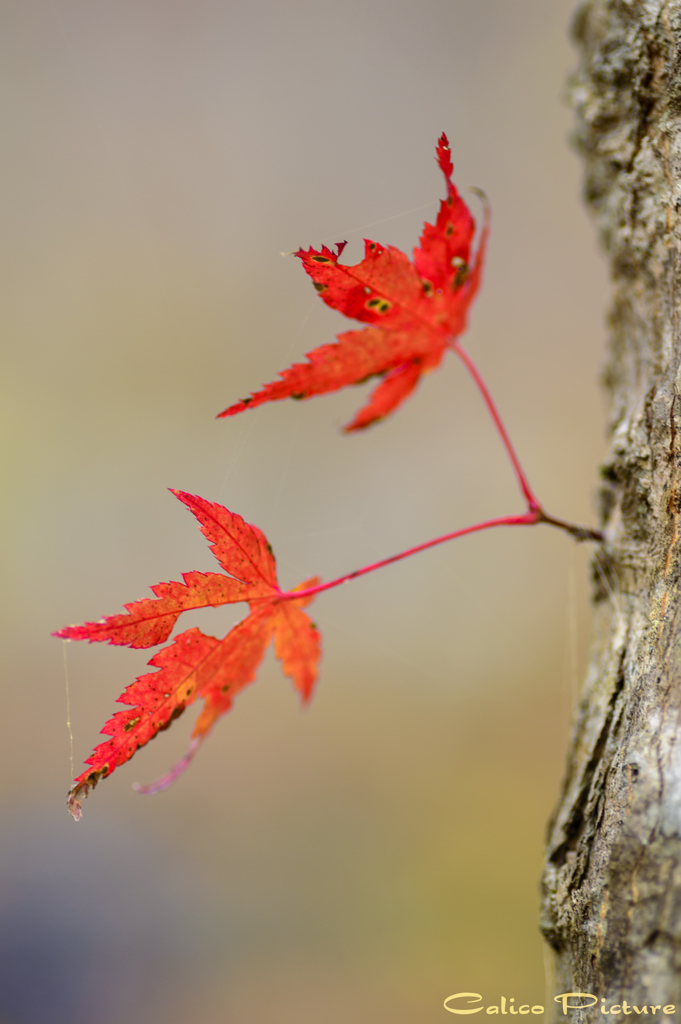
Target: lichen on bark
x,y
612,883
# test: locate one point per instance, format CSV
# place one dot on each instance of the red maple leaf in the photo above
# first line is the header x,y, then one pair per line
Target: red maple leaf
x,y
416,311
196,665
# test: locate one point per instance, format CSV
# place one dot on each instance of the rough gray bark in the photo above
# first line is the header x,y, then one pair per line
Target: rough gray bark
x,y
612,884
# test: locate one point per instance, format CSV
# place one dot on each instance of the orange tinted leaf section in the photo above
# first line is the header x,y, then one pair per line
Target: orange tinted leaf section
x,y
297,645
303,602
233,666
416,311
149,622
196,665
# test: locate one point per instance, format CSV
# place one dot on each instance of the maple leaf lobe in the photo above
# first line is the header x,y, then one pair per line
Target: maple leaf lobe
x,y
241,549
156,699
444,157
150,621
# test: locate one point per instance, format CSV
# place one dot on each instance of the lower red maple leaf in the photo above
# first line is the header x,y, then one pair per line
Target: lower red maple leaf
x,y
195,665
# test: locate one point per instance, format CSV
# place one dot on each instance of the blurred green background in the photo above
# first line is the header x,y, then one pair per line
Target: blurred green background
x,y
362,860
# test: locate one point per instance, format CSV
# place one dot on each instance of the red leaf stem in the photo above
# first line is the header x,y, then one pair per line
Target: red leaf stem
x,y
532,502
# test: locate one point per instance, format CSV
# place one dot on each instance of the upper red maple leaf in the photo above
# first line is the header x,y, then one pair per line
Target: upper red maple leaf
x,y
416,309
194,664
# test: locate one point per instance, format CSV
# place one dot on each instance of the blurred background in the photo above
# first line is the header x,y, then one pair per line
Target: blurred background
x,y
368,857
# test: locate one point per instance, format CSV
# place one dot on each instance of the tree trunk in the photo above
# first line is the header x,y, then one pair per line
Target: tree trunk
x,y
612,883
